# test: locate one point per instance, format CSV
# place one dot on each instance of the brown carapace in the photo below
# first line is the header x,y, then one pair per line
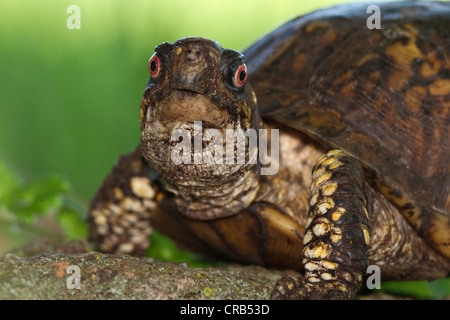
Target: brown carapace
x,y
362,176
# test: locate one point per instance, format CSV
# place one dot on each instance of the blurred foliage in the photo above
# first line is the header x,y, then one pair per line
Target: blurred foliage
x,y
164,249
420,289
23,204
69,101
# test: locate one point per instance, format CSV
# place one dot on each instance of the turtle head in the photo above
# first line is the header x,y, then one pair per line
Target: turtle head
x,y
196,103
195,79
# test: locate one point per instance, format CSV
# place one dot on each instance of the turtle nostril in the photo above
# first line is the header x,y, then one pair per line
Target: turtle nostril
x,y
193,54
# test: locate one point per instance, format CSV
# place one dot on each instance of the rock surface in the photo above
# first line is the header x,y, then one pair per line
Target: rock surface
x,y
39,271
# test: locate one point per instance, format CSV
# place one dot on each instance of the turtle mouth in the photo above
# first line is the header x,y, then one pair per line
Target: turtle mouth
x,y
187,106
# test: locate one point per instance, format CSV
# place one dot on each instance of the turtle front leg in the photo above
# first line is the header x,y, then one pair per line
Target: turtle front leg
x,y
337,235
119,215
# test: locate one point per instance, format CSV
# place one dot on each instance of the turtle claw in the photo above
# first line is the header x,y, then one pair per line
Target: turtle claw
x,y
290,288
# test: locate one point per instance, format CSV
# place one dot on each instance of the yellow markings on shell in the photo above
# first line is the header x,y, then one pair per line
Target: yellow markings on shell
x,y
440,87
179,49
329,189
349,89
348,75
142,188
314,25
299,61
319,251
366,58
414,96
431,67
405,53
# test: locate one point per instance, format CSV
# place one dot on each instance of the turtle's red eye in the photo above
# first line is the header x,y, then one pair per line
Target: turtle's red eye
x,y
240,76
154,66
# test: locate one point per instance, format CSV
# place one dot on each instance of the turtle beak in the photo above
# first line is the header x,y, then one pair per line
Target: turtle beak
x,y
184,106
193,75
195,65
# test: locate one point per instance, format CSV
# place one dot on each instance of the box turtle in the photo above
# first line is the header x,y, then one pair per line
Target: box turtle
x,y
357,121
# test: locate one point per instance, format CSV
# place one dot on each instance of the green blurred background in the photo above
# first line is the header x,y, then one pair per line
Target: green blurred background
x,y
69,99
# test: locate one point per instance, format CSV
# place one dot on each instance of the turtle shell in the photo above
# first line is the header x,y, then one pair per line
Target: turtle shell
x,y
382,95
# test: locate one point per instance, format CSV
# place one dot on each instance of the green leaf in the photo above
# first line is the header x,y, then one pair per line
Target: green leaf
x,y
72,223
440,288
21,203
35,199
9,180
419,289
163,248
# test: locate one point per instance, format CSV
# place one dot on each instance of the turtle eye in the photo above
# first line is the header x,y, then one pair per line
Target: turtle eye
x,y
240,76
154,66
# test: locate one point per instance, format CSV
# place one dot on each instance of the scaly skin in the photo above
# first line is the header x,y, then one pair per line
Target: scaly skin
x,y
119,215
337,233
